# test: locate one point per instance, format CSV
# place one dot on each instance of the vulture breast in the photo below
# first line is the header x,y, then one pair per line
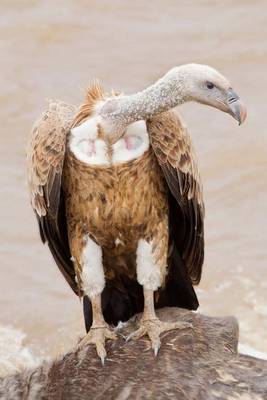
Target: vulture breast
x,y
88,146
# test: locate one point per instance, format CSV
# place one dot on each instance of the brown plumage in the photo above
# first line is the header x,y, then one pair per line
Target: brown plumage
x,y
142,212
174,151
123,231
94,94
101,201
45,158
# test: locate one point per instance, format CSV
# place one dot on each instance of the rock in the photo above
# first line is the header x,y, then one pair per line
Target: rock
x,y
200,363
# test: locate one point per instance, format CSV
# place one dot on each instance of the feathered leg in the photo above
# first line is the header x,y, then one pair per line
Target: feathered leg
x,y
149,275
93,282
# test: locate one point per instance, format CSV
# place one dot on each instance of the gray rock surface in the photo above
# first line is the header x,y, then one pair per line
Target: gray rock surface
x,y
200,363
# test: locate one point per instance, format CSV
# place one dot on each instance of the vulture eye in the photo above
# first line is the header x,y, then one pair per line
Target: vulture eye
x,y
209,85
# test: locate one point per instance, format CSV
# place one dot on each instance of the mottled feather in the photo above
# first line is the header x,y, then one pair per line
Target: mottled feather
x,y
45,157
173,148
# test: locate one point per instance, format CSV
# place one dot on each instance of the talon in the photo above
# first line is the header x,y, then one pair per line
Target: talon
x,y
156,347
128,338
131,336
101,352
102,357
97,337
136,334
153,328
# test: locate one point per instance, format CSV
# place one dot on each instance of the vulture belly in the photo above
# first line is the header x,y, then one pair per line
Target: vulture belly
x,y
115,205
117,195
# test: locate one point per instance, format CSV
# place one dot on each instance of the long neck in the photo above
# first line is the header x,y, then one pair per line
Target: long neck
x,y
166,93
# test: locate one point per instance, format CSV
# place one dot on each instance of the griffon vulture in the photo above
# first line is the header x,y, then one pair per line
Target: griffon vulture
x,y
118,198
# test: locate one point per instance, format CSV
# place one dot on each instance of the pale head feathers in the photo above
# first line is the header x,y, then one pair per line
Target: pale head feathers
x,y
193,82
196,73
189,82
184,83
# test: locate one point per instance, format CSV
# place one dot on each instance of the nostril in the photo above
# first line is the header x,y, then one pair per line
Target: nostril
x,y
232,96
232,100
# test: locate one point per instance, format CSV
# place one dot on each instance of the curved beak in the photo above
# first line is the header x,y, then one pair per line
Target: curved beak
x,y
235,107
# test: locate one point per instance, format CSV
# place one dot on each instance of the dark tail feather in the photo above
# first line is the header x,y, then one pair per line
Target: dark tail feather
x,y
117,305
178,290
87,313
122,304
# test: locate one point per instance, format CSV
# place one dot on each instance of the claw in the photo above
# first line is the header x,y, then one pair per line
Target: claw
x,y
156,347
153,328
101,352
137,334
97,336
102,358
129,337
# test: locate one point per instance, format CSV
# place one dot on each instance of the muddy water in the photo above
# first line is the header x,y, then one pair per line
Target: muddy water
x,y
52,50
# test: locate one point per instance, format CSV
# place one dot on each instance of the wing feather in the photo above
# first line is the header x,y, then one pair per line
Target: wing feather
x,y
45,159
45,156
173,148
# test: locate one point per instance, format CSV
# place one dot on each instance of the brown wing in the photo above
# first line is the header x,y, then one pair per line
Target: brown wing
x,y
172,145
45,158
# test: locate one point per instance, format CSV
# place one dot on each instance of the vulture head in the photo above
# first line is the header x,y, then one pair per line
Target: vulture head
x,y
207,86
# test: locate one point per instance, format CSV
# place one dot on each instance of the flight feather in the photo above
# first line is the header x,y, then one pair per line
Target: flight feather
x,y
173,148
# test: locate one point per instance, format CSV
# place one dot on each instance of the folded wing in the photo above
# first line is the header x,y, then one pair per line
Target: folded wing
x,y
172,146
45,158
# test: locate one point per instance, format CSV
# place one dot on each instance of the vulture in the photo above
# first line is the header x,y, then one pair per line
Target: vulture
x,y
117,193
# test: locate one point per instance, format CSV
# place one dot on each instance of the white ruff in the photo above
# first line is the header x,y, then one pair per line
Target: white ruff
x,y
137,134
93,279
83,140
148,272
86,147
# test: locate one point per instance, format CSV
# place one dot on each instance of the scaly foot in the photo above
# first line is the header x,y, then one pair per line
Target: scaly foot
x,y
153,328
97,336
